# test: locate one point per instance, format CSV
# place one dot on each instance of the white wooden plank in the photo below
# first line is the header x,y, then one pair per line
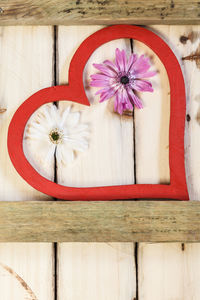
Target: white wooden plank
x,y
109,159
96,271
171,271
26,270
152,125
191,71
26,66
161,272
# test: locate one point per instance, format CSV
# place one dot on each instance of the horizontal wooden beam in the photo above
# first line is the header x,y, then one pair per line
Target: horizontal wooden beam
x,y
62,12
112,221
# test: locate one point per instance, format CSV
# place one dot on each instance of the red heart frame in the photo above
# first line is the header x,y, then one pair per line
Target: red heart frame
x,y
177,189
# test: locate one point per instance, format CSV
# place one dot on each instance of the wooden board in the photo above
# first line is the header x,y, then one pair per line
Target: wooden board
x,y
170,271
152,126
99,12
121,221
109,159
23,53
96,270
26,270
165,271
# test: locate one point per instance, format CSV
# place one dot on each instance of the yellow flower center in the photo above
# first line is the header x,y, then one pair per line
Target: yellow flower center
x,y
56,136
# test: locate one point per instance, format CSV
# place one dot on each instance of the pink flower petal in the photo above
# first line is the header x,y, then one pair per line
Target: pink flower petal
x,y
123,54
128,104
124,96
118,106
99,83
137,102
141,65
105,70
131,61
142,86
146,74
106,95
102,90
111,65
99,77
122,101
109,80
120,60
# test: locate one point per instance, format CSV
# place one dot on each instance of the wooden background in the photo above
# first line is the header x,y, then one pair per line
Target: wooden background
x,y
62,12
133,150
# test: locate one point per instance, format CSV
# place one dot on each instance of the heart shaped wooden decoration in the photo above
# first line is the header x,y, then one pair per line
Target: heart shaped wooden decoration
x,y
177,189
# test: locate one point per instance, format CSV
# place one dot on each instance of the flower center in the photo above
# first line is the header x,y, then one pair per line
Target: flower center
x,y
55,136
124,79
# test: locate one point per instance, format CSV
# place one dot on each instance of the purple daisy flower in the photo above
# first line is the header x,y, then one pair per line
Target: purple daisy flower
x,y
122,79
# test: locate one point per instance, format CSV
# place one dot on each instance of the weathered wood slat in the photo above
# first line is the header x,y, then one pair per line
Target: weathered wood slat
x,y
115,221
171,271
152,155
42,12
94,270
26,270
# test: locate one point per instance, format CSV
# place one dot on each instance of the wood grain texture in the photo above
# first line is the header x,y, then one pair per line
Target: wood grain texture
x,y
171,271
26,66
109,159
152,125
166,271
113,221
96,270
26,270
37,12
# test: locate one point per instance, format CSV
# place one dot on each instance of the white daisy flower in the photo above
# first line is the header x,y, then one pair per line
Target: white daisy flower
x,y
55,134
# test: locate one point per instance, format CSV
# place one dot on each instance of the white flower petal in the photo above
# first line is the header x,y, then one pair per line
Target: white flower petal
x,y
64,116
50,116
77,135
54,115
76,144
36,136
78,129
64,155
72,119
49,155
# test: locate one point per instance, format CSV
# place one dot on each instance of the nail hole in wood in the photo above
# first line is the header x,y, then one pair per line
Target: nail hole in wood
x,y
188,118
